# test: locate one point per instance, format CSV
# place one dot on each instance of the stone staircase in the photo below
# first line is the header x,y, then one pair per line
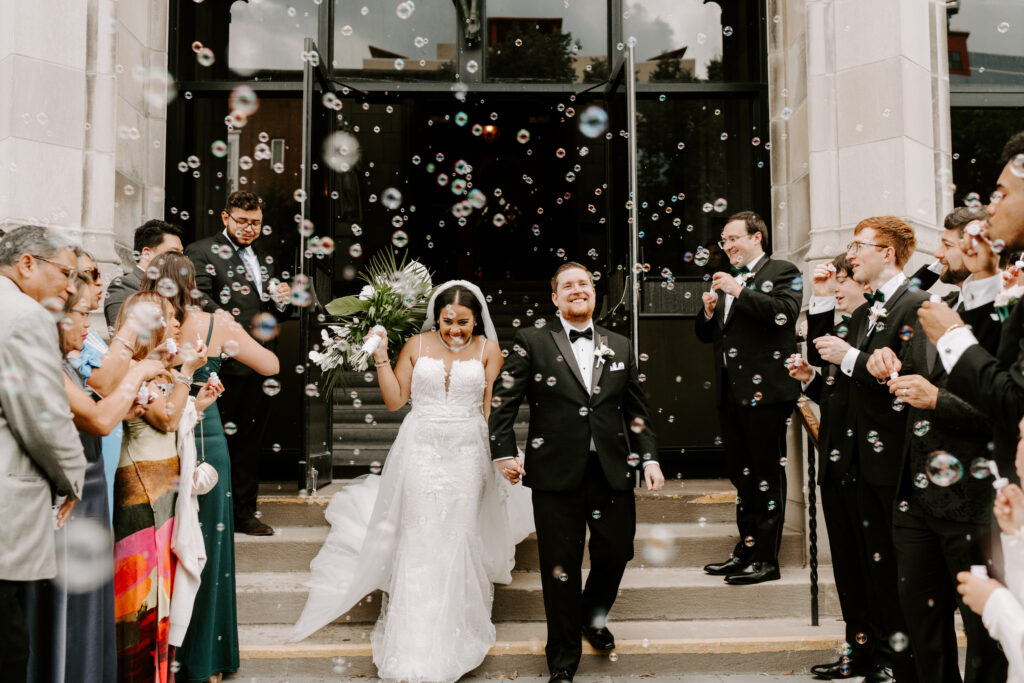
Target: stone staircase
x,y
669,618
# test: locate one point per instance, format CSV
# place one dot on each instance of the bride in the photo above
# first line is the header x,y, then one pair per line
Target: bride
x,y
436,529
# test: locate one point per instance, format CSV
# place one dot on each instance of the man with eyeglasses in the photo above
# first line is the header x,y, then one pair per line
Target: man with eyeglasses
x,y
234,275
152,238
750,316
41,455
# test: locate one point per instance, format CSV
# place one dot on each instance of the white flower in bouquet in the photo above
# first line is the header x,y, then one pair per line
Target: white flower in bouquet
x,y
366,292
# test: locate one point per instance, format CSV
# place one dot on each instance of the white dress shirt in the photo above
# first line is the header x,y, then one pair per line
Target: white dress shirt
x,y
975,293
1003,615
888,289
729,298
252,264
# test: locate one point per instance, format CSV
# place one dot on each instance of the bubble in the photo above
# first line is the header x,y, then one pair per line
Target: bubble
x,y
862,638
404,10
632,459
341,151
399,238
781,319
658,548
271,387
245,163
980,468
219,149
596,514
375,467
559,573
1003,26
399,64
244,101
166,287
391,198
749,541
786,113
523,136
593,121
472,66
356,250
584,411
230,428
229,348
727,31
85,561
845,649
834,455
763,486
906,332
944,469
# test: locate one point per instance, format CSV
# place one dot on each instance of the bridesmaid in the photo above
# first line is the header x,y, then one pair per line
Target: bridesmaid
x,y
145,490
210,646
90,648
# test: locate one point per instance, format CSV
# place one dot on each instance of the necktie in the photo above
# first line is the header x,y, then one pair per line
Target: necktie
x,y
576,334
733,270
845,318
877,296
252,266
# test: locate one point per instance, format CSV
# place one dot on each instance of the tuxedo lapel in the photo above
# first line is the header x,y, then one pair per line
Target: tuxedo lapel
x,y
755,271
234,259
598,363
568,357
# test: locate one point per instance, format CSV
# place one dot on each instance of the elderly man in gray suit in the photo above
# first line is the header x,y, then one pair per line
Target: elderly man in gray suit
x,y
41,457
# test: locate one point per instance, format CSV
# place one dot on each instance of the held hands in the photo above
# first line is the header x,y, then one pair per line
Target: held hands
x,y
823,281
915,390
654,477
831,348
1009,508
936,319
724,282
709,299
883,363
799,368
512,469
976,590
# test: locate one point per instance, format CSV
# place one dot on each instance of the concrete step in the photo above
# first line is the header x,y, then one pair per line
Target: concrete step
x,y
643,648
669,594
291,548
682,500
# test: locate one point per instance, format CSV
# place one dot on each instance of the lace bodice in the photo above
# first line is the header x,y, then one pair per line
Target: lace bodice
x,y
463,396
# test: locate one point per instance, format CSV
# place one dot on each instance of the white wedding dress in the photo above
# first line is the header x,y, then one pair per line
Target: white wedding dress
x,y
435,530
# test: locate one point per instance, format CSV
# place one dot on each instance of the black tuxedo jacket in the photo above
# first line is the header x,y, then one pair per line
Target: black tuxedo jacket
x,y
564,418
994,384
758,336
830,389
879,429
119,289
953,426
215,277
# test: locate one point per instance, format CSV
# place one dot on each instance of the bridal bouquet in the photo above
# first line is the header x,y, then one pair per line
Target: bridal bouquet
x,y
395,297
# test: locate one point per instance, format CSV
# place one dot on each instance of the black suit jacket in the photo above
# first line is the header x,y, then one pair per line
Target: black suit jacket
x,y
758,336
994,384
216,277
830,389
953,426
119,289
879,429
564,418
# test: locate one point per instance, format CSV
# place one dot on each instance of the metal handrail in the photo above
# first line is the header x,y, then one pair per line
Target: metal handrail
x,y
811,425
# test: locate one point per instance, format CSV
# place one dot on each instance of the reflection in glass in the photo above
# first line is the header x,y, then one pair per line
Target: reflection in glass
x,y
978,139
377,37
268,35
686,41
537,40
985,44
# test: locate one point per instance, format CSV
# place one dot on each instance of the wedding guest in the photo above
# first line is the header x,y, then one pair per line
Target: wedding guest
x,y
1002,607
152,238
941,523
880,249
210,647
993,383
39,458
232,272
834,288
750,316
145,487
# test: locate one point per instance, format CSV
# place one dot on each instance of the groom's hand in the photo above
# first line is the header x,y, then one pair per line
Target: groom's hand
x,y
654,477
511,468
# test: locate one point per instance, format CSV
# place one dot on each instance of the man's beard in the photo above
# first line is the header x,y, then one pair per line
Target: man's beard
x,y
578,317
952,276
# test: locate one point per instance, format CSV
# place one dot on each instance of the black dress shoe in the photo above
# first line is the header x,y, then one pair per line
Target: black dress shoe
x,y
730,566
253,527
562,676
843,668
755,572
599,638
881,674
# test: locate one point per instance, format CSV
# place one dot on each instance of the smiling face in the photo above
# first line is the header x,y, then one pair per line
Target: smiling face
x,y
456,324
740,246
868,256
574,295
1006,209
849,293
952,259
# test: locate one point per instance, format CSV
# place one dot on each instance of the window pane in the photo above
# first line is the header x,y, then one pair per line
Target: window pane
x,y
390,42
694,40
538,40
978,139
988,36
268,35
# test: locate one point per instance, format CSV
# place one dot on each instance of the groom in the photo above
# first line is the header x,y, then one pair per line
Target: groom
x,y
588,430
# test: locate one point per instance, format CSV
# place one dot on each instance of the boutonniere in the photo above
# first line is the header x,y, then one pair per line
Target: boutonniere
x,y
877,312
1008,297
603,352
746,279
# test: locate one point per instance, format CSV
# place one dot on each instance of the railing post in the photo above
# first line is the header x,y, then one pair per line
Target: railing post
x,y
812,525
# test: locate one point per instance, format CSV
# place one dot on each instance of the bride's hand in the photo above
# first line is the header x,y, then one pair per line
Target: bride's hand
x,y
380,354
511,468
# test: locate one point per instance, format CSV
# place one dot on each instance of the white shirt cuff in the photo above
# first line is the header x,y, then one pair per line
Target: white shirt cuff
x,y
821,304
849,361
977,293
507,457
952,345
804,385
650,462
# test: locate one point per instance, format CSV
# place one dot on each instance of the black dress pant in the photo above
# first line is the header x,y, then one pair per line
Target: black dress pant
x,y
562,518
849,564
14,640
929,553
876,509
755,445
247,407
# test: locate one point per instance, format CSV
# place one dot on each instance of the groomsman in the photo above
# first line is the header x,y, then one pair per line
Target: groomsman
x,y
234,274
750,317
152,238
992,383
880,249
941,524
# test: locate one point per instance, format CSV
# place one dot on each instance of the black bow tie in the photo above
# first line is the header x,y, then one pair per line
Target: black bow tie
x,y
877,296
576,334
